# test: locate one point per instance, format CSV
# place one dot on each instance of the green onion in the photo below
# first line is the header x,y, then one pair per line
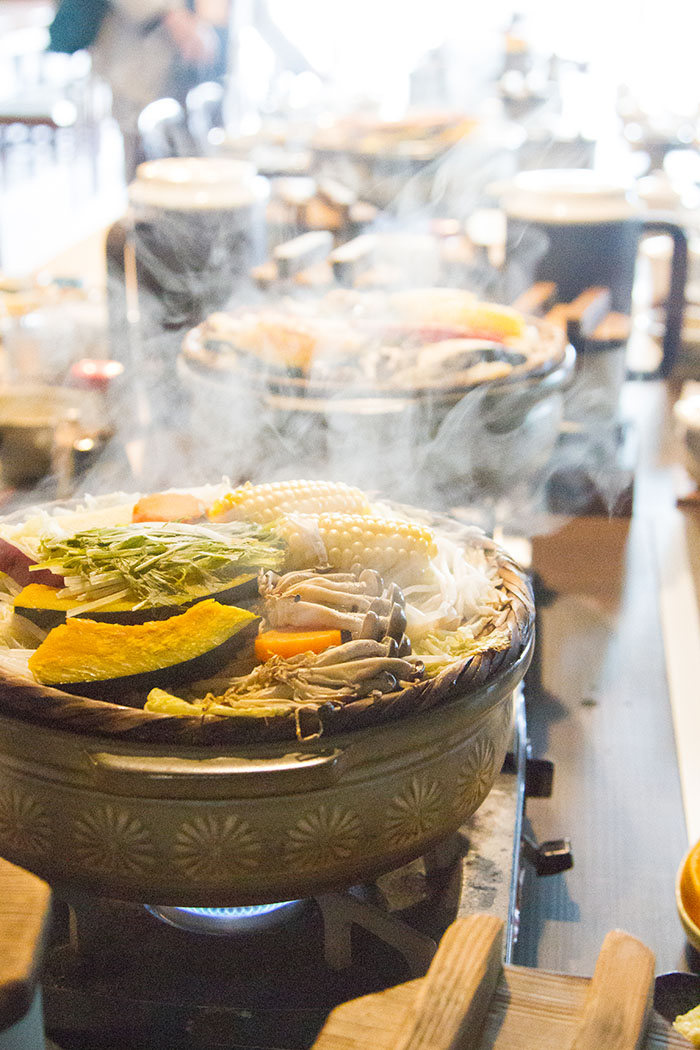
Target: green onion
x,y
151,564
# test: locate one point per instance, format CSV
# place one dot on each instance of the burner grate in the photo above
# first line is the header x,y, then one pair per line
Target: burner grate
x,y
224,922
117,977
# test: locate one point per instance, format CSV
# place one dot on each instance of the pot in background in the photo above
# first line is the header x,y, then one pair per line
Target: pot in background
x,y
463,443
38,424
195,227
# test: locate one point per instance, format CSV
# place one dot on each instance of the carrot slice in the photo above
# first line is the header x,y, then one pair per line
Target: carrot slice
x,y
168,506
291,643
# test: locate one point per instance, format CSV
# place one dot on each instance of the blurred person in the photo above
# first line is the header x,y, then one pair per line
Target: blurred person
x,y
151,49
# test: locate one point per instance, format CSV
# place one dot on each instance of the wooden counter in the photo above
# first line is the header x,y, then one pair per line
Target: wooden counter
x,y
613,701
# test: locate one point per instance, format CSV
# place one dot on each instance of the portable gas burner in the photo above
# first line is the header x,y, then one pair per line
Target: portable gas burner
x,y
124,975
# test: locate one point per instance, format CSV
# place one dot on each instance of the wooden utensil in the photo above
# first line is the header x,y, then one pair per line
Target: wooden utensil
x,y
619,996
454,997
24,918
509,1007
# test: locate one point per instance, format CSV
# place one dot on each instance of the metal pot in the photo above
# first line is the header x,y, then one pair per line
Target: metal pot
x,y
224,826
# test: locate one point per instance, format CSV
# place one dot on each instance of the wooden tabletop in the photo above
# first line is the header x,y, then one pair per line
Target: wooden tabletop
x,y
618,645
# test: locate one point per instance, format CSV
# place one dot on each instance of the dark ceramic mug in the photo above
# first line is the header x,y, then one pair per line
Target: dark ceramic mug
x,y
580,231
195,227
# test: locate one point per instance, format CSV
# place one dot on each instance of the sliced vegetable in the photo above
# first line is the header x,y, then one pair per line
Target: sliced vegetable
x,y
152,564
19,565
440,648
169,506
290,643
494,321
47,607
98,659
164,703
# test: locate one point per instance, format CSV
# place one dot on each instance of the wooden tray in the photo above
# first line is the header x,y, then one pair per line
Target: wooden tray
x,y
24,920
469,1001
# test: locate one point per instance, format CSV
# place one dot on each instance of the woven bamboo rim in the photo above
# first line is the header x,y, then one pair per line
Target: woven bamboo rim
x,y
42,705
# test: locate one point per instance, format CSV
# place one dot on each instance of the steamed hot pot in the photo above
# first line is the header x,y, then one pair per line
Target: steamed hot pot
x,y
131,804
469,394
383,156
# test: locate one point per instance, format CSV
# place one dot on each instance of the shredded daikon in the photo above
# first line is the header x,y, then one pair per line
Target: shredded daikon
x,y
459,588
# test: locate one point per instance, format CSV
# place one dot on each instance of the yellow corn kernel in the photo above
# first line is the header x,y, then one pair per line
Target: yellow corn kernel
x,y
265,503
403,548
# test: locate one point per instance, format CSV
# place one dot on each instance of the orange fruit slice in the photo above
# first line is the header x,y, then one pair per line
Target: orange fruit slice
x,y
690,884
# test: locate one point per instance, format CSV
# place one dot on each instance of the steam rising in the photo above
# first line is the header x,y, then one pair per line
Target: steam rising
x,y
491,452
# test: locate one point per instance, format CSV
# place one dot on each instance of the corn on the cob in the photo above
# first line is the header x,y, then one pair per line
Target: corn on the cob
x,y
394,547
265,503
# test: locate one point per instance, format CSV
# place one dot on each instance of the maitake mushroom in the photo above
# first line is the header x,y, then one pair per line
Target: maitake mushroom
x,y
358,604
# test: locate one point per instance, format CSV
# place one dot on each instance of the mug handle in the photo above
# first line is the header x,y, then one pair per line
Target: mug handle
x,y
675,305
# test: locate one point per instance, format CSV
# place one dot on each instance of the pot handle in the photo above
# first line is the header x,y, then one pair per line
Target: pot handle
x,y
675,304
222,777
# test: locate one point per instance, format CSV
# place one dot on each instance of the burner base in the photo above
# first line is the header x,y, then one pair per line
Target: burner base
x,y
119,978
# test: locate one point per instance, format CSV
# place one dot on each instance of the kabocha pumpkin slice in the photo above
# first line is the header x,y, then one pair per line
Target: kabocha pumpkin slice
x,y
101,659
45,607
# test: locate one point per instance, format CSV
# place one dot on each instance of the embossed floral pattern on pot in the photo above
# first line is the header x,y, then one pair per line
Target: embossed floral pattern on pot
x,y
25,825
325,836
209,845
414,812
476,775
113,841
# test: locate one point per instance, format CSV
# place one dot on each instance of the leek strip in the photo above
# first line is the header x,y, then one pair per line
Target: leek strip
x,y
154,564
97,603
